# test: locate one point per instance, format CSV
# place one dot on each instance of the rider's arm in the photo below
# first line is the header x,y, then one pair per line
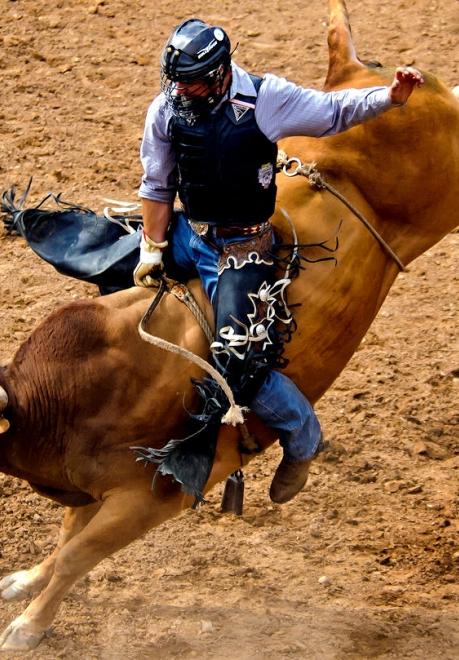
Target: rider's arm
x,y
156,217
286,109
157,192
157,156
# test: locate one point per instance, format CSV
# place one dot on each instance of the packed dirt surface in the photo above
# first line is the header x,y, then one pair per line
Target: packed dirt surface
x,y
377,522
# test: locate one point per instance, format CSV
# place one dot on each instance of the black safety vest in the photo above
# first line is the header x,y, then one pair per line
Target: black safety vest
x,y
225,165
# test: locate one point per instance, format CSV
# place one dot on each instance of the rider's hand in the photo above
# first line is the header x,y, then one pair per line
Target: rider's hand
x,y
151,261
405,80
147,274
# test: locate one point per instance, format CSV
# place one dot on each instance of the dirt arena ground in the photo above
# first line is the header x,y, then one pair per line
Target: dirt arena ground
x,y
379,516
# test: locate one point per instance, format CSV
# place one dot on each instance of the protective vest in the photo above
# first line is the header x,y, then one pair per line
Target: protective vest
x,y
225,165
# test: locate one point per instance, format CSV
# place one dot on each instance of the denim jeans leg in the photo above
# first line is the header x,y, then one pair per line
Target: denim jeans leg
x,y
190,255
281,406
279,403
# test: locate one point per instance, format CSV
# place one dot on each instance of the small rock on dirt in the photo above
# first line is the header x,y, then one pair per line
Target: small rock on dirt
x,y
207,626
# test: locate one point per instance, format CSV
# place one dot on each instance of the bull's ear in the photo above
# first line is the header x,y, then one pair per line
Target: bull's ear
x,y
342,59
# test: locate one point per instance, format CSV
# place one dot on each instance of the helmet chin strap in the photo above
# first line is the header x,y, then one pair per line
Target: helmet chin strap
x,y
226,82
223,86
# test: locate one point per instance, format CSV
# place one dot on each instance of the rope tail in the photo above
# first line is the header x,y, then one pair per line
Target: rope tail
x,y
234,414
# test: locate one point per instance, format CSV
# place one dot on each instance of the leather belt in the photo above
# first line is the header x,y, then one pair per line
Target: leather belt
x,y
230,231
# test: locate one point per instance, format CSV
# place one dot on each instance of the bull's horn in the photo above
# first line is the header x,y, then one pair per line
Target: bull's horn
x,y
341,52
3,399
4,425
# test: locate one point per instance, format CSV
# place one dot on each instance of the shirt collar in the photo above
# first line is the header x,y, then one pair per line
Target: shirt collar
x,y
241,83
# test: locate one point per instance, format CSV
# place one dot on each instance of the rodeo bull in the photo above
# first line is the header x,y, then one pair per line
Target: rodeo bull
x,y
85,388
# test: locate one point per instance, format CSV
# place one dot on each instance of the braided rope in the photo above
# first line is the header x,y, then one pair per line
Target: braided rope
x,y
235,413
316,180
182,293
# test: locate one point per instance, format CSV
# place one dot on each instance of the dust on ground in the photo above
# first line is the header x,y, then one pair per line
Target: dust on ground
x,y
378,518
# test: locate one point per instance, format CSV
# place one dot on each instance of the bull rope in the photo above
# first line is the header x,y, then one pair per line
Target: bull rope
x,y
316,180
235,413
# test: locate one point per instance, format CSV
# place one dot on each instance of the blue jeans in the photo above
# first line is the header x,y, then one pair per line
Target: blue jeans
x,y
278,402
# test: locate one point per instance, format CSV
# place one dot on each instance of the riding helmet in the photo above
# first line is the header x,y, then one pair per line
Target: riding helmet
x,y
195,51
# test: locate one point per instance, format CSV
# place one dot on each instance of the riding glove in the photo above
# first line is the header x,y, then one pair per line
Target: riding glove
x,y
151,261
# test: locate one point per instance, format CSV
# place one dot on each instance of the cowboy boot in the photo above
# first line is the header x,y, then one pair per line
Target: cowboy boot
x,y
291,476
289,479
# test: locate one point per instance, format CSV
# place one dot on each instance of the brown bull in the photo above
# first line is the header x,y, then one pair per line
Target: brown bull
x,y
85,388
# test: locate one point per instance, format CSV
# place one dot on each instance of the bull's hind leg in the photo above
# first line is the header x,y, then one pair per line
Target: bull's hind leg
x,y
23,584
342,58
123,517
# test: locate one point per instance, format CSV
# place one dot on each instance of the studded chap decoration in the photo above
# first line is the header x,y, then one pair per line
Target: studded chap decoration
x,y
256,331
255,250
269,308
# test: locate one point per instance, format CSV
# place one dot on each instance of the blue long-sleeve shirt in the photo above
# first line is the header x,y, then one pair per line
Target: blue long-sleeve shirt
x,y
282,109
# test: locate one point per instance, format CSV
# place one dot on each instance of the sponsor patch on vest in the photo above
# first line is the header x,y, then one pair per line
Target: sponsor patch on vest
x,y
265,174
239,111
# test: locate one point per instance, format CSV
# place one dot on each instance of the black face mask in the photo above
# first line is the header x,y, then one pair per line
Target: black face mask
x,y
201,101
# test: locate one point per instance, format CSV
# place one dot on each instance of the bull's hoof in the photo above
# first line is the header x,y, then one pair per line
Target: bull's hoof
x,y
19,636
16,586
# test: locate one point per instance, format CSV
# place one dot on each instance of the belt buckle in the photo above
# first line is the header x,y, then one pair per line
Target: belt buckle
x,y
257,229
199,228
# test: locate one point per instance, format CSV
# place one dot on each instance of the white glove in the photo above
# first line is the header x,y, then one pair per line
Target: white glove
x,y
151,261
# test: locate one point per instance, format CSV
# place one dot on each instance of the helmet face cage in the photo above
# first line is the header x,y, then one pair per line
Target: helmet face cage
x,y
194,64
198,97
